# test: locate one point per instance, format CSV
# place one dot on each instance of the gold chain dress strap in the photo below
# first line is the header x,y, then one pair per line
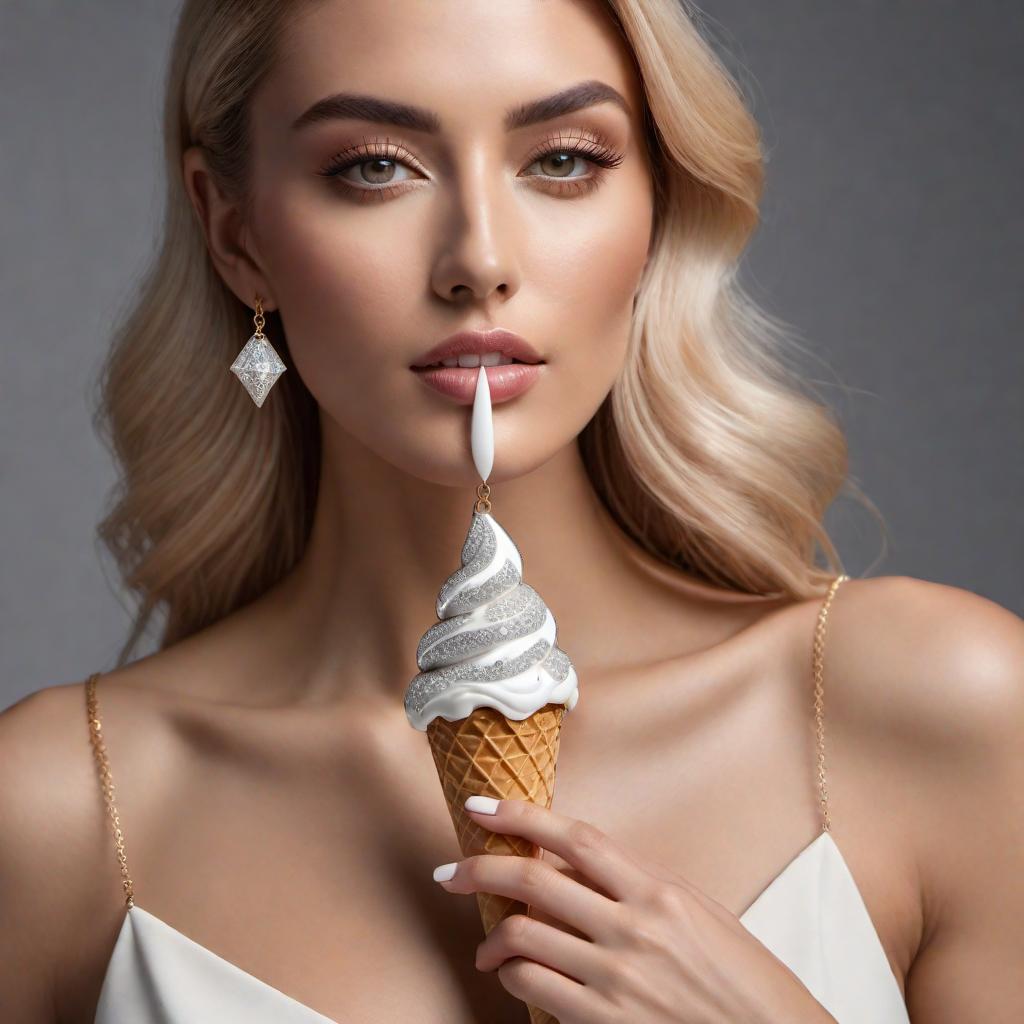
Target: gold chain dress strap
x,y
106,782
819,692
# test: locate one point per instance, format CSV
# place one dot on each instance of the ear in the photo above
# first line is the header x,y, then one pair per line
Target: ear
x,y
220,218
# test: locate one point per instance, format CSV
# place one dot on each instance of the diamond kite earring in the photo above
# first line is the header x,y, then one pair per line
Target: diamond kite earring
x,y
258,365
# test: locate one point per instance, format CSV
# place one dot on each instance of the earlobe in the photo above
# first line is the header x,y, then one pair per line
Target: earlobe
x,y
220,222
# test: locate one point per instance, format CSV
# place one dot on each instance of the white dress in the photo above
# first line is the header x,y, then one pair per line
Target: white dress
x,y
811,916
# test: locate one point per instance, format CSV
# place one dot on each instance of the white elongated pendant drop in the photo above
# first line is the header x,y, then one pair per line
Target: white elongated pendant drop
x,y
258,366
482,429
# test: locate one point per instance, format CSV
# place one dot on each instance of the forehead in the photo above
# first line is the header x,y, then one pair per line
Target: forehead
x,y
465,59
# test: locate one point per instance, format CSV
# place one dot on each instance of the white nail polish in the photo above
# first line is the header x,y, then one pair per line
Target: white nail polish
x,y
445,872
483,804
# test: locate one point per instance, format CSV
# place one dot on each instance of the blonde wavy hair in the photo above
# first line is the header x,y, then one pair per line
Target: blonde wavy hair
x,y
707,452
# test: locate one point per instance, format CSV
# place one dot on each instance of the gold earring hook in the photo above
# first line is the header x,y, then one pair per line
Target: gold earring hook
x,y
258,318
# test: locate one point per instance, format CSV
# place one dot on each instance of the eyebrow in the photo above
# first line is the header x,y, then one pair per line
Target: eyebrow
x,y
355,106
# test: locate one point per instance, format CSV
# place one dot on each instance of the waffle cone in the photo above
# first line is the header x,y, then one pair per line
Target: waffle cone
x,y
488,754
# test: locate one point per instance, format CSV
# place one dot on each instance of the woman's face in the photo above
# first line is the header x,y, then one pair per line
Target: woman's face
x,y
377,238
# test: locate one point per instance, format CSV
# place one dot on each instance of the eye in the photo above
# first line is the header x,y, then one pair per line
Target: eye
x,y
382,171
557,159
374,166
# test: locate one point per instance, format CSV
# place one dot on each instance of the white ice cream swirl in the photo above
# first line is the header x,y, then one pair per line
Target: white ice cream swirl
x,y
495,643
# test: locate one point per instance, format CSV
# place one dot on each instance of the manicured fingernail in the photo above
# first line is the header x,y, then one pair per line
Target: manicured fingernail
x,y
482,804
445,872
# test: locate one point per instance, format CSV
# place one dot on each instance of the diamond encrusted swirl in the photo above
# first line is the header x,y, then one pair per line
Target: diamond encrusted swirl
x,y
477,553
495,644
467,642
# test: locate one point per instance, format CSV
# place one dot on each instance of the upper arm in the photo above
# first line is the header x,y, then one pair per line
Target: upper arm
x,y
971,963
949,668
48,843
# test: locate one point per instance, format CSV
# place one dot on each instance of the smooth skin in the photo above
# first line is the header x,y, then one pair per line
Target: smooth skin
x,y
277,807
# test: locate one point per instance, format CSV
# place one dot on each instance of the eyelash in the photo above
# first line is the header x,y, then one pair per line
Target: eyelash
x,y
591,146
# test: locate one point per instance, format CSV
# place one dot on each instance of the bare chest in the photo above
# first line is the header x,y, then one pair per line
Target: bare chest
x,y
314,876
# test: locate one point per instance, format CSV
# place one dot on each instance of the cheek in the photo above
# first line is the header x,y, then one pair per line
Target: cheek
x,y
346,289
334,275
585,270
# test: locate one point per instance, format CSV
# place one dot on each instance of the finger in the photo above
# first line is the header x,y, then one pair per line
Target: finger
x,y
652,868
540,986
531,881
539,915
520,935
577,842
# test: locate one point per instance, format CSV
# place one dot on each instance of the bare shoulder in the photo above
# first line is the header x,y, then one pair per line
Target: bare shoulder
x,y
941,664
60,883
930,677
52,846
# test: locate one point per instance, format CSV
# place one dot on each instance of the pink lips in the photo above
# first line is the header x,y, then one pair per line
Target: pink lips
x,y
479,343
504,382
459,382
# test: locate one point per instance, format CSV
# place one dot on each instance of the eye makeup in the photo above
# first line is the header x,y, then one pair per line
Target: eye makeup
x,y
574,148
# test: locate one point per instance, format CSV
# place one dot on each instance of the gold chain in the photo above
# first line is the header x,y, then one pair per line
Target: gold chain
x,y
106,781
258,318
819,692
483,499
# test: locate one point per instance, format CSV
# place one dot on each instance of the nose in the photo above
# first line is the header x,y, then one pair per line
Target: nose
x,y
476,258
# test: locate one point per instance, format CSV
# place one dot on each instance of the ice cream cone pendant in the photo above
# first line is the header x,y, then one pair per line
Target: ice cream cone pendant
x,y
495,642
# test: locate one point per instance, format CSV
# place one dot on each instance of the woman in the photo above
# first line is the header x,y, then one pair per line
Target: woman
x,y
372,179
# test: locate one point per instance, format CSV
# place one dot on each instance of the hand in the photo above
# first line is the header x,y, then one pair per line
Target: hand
x,y
649,947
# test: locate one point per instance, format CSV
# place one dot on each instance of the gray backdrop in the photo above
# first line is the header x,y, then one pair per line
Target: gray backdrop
x,y
892,239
